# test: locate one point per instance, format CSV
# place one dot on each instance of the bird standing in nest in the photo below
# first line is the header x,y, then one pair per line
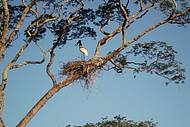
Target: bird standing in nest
x,y
83,50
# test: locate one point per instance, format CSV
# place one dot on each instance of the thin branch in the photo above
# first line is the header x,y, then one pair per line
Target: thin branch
x,y
143,10
26,63
104,40
124,40
175,5
48,70
124,12
102,28
5,24
127,4
141,5
159,24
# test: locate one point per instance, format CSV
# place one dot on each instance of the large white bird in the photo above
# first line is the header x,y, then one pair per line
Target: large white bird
x,y
82,49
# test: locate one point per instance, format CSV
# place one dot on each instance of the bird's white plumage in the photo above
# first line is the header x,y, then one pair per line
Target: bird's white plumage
x,y
84,51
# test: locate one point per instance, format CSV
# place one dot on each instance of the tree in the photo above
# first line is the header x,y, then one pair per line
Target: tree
x,y
118,121
72,20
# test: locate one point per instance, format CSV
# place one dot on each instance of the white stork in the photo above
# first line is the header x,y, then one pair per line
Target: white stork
x,y
83,50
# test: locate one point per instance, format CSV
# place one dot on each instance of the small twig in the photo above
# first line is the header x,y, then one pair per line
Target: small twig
x,y
48,67
127,4
102,28
141,5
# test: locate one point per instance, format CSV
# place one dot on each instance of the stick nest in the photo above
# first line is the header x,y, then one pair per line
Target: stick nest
x,y
86,69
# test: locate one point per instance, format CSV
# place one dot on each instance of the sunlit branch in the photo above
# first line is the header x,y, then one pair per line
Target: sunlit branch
x,y
45,98
13,61
18,26
124,12
5,24
141,12
102,28
48,67
104,40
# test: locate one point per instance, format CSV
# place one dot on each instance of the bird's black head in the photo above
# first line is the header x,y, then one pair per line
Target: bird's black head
x,y
79,43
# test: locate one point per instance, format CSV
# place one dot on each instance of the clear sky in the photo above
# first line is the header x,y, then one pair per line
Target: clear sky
x,y
143,98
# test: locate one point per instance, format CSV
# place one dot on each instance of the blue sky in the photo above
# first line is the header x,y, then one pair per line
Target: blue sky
x,y
143,98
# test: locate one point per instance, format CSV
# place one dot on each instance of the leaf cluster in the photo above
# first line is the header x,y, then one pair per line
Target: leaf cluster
x,y
154,58
118,121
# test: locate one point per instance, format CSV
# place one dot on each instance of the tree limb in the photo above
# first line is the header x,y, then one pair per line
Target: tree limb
x,y
5,24
45,98
18,26
48,70
26,63
159,24
123,11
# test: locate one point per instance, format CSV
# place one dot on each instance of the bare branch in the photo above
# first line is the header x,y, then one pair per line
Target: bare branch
x,y
48,70
127,4
104,40
159,24
141,5
18,26
124,13
5,24
102,29
175,5
124,40
26,63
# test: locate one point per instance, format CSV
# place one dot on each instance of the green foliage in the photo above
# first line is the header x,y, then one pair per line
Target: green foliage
x,y
154,58
118,121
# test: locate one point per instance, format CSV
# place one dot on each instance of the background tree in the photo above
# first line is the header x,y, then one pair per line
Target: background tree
x,y
118,121
67,20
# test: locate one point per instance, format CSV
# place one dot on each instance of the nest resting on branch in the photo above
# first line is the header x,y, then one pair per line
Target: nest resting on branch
x,y
86,69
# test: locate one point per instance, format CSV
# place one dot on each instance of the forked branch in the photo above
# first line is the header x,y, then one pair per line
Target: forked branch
x,y
18,26
159,24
